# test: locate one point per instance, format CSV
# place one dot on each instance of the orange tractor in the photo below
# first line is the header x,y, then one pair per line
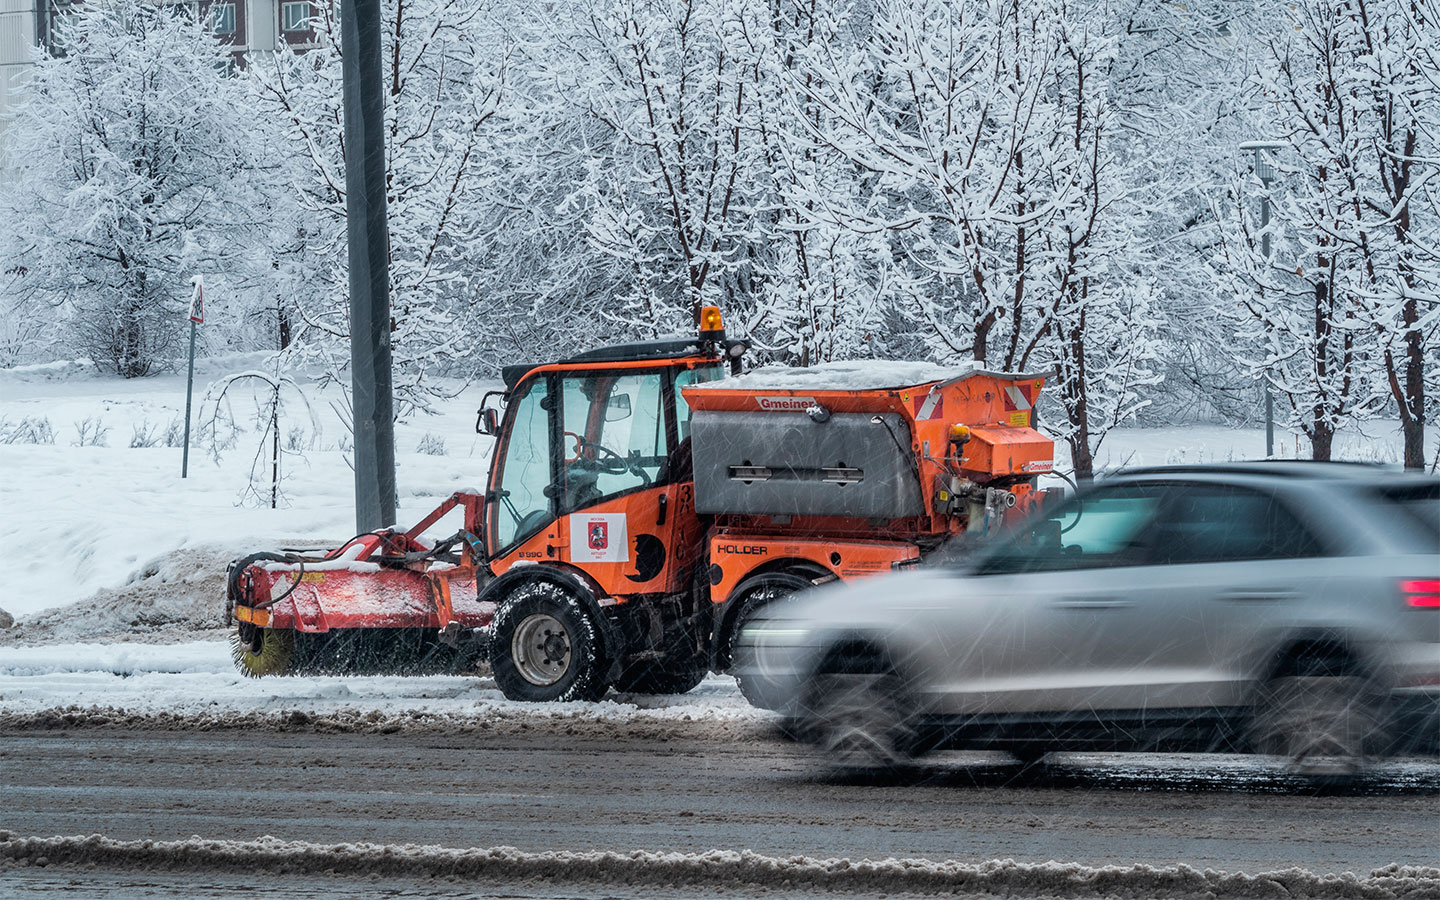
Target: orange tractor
x,y
644,500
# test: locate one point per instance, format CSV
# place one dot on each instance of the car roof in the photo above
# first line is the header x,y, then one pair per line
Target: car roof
x,y
1287,469
1323,481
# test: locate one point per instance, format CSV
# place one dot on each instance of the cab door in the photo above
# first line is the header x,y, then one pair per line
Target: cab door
x,y
521,499
620,506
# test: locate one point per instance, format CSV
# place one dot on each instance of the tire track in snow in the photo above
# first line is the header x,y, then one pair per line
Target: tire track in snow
x,y
712,871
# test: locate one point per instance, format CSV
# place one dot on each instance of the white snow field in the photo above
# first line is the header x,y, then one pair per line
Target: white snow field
x,y
92,517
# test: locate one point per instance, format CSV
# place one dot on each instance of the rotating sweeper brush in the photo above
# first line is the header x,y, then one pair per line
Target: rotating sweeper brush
x,y
367,607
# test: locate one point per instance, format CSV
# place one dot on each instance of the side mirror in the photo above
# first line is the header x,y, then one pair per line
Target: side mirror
x,y
489,422
617,408
488,419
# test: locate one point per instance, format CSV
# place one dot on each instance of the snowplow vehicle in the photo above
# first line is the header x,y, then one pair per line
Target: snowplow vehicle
x,y
644,500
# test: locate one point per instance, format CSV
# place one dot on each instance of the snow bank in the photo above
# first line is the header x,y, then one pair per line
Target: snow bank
x,y
86,369
194,685
59,370
712,872
176,596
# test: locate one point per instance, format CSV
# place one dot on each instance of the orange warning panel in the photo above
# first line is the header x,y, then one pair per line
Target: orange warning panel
x,y
998,450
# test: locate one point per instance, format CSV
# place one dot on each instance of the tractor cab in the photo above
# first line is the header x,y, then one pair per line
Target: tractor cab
x,y
592,464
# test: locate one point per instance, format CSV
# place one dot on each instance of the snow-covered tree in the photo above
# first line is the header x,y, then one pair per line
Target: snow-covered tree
x,y
130,177
824,290
670,188
987,136
1336,314
444,72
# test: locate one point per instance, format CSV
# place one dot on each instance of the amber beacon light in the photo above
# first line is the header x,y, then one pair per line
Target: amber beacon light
x,y
712,327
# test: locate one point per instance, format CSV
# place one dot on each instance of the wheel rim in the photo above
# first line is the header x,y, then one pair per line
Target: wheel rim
x,y
540,649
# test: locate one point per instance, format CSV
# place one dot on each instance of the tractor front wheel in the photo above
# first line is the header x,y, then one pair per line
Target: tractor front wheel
x,y
546,646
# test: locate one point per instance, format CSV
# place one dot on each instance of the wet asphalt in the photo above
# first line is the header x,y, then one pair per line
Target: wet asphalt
x,y
547,790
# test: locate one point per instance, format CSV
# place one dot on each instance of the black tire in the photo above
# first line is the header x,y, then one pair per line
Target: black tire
x,y
676,669
1326,727
546,646
859,718
757,594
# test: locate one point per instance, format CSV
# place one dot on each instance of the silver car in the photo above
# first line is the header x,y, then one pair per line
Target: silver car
x,y
1291,609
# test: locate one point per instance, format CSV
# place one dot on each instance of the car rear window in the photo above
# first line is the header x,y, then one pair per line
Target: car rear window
x,y
1207,523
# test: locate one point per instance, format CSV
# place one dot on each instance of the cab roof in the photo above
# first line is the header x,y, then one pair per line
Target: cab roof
x,y
637,351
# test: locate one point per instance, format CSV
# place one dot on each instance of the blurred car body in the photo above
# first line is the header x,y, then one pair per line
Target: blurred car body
x,y
1279,607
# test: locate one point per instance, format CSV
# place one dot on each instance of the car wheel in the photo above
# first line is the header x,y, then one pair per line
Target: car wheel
x,y
859,720
1322,726
546,646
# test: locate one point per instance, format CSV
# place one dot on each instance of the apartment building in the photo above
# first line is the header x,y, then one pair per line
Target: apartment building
x,y
248,26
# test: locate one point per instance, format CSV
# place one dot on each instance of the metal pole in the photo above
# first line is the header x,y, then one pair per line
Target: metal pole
x,y
1265,251
373,405
189,392
1266,173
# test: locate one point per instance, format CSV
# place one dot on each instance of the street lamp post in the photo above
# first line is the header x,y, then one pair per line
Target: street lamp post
x,y
370,359
1266,173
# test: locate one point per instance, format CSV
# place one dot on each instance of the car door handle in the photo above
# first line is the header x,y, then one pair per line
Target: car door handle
x,y
1093,603
1256,595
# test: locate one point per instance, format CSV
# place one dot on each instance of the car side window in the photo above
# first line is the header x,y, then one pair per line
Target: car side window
x,y
1099,528
1222,523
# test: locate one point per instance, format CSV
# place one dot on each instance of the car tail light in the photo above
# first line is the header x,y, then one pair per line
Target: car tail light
x,y
1424,594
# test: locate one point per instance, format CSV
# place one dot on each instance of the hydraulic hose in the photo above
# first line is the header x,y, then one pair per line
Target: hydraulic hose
x,y
232,580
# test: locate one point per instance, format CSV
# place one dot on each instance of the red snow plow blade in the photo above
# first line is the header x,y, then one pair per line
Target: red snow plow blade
x,y
383,602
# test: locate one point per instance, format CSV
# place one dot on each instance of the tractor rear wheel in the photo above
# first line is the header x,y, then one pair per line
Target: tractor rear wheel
x,y
262,651
758,594
546,646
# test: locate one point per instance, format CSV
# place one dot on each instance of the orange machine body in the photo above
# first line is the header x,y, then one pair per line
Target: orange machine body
x,y
668,495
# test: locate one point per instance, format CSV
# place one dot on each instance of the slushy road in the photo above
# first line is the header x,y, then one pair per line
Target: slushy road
x,y
547,790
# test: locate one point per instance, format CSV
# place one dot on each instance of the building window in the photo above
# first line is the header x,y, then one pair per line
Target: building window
x,y
295,16
222,18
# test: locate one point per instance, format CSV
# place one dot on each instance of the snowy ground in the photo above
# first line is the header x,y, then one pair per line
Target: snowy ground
x,y
514,873
91,517
194,684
